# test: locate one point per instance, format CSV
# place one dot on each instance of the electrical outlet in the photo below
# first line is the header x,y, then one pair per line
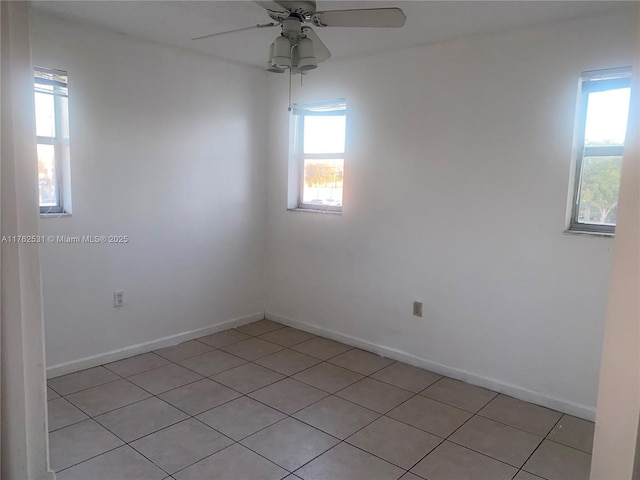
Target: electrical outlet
x,y
417,309
118,298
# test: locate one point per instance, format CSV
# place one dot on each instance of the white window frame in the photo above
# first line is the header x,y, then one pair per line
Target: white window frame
x,y
60,143
297,156
593,81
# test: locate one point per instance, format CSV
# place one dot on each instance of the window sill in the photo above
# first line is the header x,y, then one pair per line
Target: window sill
x,y
590,233
55,215
314,210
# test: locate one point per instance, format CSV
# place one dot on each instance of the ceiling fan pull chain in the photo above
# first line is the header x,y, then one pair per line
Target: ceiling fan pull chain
x,y
290,88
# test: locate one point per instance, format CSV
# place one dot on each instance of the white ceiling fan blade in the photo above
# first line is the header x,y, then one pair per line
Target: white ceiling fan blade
x,y
253,27
272,6
369,17
320,50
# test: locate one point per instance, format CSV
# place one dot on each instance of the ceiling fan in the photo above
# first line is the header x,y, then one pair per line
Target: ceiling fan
x,y
298,48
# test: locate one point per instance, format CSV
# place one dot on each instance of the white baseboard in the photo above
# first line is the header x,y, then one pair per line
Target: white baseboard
x,y
48,475
114,355
575,409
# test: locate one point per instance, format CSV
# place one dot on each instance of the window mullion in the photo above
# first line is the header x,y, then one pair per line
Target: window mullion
x,y
46,140
323,156
603,151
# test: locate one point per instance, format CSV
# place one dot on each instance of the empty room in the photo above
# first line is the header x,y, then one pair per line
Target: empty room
x,y
332,240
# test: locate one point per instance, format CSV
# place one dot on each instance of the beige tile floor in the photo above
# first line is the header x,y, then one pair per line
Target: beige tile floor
x,y
265,401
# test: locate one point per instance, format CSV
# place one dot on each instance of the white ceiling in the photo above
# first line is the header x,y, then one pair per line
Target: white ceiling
x,y
176,22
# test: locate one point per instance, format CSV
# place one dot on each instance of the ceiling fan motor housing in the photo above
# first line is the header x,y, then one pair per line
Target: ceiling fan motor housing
x,y
292,28
299,7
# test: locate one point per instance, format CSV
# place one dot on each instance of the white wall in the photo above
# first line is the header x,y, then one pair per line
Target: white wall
x,y
456,183
167,148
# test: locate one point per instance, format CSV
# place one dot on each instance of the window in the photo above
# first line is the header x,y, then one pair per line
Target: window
x,y
318,146
602,125
52,131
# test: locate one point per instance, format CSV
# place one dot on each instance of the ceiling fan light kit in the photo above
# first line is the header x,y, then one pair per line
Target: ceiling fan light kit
x,y
292,49
297,56
298,48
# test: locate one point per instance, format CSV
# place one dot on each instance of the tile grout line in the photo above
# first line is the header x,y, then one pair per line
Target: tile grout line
x,y
538,446
565,445
477,414
91,458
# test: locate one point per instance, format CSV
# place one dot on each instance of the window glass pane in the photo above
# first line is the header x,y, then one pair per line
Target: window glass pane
x,y
607,113
47,175
598,203
45,115
324,134
323,182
